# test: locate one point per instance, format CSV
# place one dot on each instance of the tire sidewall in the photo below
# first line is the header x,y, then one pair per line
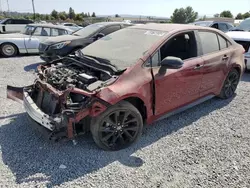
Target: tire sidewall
x,y
96,122
2,52
222,93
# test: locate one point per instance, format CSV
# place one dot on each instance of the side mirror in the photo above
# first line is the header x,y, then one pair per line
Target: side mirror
x,y
99,35
170,63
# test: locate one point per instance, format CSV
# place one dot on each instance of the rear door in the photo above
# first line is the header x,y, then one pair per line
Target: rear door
x,y
216,53
179,87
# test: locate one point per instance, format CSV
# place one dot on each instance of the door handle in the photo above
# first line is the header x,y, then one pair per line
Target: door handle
x,y
198,66
225,57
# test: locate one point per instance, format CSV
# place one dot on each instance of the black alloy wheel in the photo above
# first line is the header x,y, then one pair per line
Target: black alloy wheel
x,y
230,84
118,128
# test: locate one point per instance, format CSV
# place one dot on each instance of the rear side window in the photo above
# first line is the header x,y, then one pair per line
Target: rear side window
x,y
62,32
110,29
223,27
68,24
209,42
54,32
223,42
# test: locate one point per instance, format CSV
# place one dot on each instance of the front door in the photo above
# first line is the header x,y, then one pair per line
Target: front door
x,y
179,87
32,42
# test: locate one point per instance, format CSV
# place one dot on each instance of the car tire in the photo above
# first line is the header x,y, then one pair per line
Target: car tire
x,y
118,127
230,84
8,50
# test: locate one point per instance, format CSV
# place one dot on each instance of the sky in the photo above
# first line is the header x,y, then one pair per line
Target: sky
x,y
162,8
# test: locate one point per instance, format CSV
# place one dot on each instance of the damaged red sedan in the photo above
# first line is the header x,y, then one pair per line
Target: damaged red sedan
x,y
131,78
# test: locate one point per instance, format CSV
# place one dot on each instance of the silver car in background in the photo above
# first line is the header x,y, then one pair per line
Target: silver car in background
x,y
27,42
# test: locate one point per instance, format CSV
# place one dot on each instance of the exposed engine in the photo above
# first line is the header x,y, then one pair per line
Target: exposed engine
x,y
61,75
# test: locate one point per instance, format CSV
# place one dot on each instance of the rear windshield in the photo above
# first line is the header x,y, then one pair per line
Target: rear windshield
x,y
204,24
124,47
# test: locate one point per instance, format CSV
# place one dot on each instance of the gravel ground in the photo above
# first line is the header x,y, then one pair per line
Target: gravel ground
x,y
206,146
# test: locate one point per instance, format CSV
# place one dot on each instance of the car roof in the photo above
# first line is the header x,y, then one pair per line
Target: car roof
x,y
212,21
50,26
112,23
169,27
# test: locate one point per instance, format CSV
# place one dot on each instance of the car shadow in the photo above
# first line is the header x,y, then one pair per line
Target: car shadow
x,y
32,67
246,77
27,153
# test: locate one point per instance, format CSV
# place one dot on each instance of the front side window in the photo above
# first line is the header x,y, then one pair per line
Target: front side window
x,y
209,42
45,31
10,21
37,31
182,46
28,30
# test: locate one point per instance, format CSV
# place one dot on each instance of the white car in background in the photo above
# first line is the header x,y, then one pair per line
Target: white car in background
x,y
28,41
10,25
241,35
72,26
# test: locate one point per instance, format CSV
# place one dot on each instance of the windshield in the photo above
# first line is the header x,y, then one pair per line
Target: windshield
x,y
28,30
88,30
124,47
245,25
2,21
204,24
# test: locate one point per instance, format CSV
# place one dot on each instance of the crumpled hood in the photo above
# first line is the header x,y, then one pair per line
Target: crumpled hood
x,y
62,38
13,35
239,35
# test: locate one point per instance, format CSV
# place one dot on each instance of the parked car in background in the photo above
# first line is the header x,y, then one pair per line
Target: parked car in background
x,y
241,35
10,25
72,26
62,46
223,26
130,78
27,42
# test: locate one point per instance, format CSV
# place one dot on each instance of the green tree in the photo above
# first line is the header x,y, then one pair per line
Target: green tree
x,y
62,15
184,15
88,14
246,15
78,17
239,16
72,14
93,14
54,14
216,15
47,17
117,16
226,14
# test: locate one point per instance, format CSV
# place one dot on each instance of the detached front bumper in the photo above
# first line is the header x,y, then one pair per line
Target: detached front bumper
x,y
61,125
36,114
